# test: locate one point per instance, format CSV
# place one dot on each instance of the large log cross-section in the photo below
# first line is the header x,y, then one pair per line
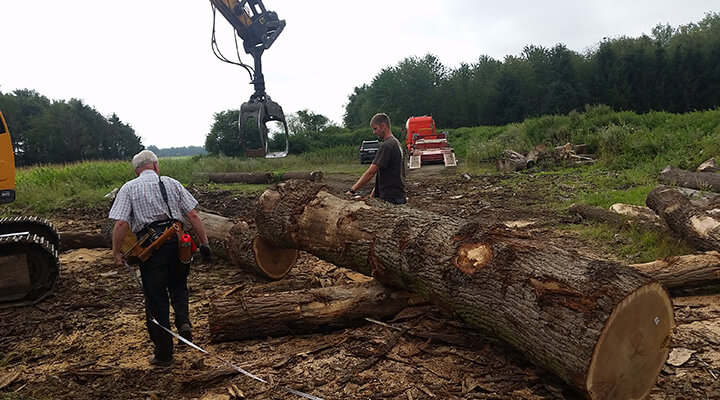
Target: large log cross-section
x,y
602,327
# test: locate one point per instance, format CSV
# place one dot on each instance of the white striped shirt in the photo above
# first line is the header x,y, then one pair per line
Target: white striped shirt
x,y
140,202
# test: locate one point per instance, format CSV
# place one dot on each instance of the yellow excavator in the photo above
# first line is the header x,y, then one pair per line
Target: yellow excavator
x,y
29,265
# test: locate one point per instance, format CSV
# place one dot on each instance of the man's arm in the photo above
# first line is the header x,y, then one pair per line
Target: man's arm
x,y
199,228
364,179
119,231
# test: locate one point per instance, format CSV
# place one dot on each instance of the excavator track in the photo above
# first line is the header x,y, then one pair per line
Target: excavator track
x,y
29,264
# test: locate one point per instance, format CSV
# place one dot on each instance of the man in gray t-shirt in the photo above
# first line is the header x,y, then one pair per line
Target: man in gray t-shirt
x,y
388,165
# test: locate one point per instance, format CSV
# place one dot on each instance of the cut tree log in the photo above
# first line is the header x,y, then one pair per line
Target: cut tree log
x,y
82,240
241,177
693,180
237,242
261,177
256,256
315,176
680,273
618,220
258,315
602,327
700,227
513,161
708,166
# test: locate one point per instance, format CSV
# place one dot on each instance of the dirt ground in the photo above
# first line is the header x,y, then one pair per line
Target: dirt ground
x,y
88,339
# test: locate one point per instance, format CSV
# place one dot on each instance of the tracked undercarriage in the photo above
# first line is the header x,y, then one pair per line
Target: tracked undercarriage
x,y
29,265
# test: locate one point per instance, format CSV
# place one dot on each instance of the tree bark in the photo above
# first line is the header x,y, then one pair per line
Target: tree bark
x,y
241,177
255,255
82,240
262,177
315,176
237,242
259,315
698,226
693,180
602,327
680,273
513,161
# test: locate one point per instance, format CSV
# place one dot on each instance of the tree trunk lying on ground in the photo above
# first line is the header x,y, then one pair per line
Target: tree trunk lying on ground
x,y
315,176
698,226
235,241
258,315
693,180
514,161
256,256
241,177
680,273
602,327
262,177
619,220
82,240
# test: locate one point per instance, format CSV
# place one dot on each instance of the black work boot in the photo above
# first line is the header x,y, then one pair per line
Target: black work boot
x,y
186,332
156,362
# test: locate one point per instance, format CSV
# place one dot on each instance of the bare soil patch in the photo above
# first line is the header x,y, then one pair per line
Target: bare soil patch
x,y
88,339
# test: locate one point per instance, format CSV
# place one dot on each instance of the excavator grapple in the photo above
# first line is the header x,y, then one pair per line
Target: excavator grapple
x,y
259,116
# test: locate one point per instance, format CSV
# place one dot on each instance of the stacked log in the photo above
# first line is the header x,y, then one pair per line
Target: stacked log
x,y
600,326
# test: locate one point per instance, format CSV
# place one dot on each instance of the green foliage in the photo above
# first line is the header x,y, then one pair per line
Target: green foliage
x,y
621,140
177,151
224,136
63,131
675,70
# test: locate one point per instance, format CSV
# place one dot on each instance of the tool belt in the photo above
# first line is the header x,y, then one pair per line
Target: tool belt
x,y
157,234
155,229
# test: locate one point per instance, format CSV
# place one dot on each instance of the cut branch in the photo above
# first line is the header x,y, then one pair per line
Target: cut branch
x,y
602,327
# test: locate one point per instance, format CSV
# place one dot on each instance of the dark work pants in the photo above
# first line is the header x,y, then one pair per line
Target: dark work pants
x,y
164,277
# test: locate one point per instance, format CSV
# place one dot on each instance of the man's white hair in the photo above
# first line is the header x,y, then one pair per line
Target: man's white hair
x,y
143,158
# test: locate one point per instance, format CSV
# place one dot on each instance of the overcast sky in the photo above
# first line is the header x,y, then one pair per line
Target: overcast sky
x,y
150,62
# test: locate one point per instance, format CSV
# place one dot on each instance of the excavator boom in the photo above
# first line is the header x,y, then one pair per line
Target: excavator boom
x,y
258,28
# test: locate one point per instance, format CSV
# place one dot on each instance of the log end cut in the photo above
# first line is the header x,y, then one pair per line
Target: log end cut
x,y
633,345
274,262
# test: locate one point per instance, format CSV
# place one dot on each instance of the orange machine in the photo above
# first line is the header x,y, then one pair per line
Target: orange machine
x,y
425,145
29,264
7,165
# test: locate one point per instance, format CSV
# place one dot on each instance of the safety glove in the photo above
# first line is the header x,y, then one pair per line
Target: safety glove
x,y
206,252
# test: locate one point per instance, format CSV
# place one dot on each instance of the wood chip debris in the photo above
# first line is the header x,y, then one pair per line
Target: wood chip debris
x,y
679,356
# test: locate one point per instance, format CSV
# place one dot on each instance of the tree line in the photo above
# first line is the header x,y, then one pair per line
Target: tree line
x,y
673,69
45,131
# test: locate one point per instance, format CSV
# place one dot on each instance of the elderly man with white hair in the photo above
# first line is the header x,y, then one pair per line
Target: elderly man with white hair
x,y
151,202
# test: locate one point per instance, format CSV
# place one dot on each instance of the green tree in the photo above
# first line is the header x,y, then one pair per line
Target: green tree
x,y
224,136
307,123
